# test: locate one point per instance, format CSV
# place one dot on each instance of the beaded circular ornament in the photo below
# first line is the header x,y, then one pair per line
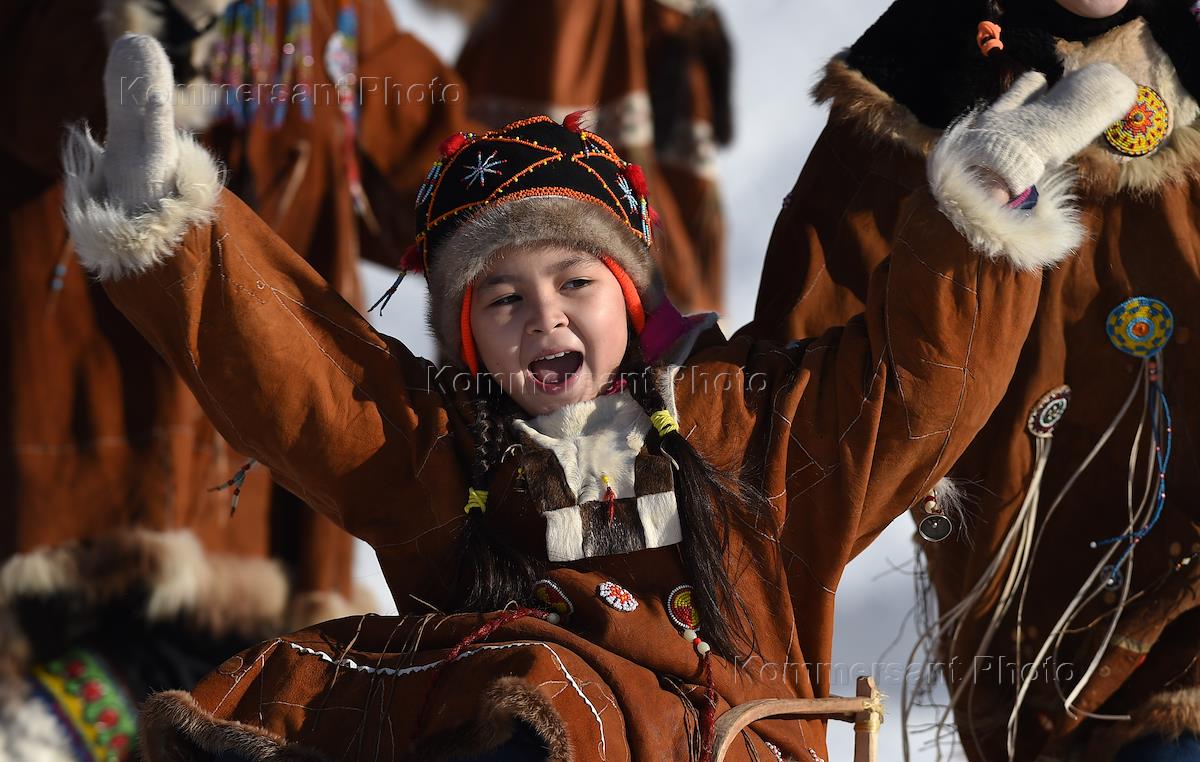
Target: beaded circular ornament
x,y
1144,128
1140,326
1048,411
682,609
552,598
617,597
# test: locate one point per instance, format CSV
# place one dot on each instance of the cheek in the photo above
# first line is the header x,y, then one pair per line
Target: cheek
x,y
608,331
495,341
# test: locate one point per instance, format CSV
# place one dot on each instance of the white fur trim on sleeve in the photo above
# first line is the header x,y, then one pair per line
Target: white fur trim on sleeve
x,y
1029,239
112,241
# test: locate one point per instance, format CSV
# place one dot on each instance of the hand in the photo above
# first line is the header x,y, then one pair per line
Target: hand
x,y
1029,129
142,150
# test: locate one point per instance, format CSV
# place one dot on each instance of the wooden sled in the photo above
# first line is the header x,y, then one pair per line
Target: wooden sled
x,y
865,710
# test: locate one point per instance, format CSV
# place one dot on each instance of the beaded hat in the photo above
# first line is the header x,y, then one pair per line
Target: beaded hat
x,y
533,182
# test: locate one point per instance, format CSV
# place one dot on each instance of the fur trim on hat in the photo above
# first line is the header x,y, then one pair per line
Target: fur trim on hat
x,y
1030,240
506,700
532,221
176,729
113,242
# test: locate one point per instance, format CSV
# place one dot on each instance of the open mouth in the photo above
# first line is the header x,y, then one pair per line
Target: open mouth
x,y
553,372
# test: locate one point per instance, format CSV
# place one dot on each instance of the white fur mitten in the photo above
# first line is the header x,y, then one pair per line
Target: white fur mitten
x,y
141,151
1030,129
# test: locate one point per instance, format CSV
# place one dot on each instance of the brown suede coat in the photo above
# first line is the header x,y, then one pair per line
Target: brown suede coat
x,y
842,434
1143,218
106,455
605,56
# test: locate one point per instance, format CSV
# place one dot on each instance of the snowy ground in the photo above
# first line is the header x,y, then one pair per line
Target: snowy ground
x,y
780,45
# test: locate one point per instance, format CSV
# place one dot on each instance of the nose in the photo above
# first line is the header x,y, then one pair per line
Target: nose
x,y
545,314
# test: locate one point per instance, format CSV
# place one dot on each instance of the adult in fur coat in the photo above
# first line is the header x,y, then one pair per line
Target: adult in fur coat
x,y
588,479
110,537
656,76
1108,633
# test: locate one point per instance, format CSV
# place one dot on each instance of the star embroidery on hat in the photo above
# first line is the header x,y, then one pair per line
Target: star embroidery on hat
x,y
482,168
627,193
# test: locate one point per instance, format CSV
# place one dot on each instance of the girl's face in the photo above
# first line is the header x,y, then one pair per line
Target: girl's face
x,y
550,326
1094,9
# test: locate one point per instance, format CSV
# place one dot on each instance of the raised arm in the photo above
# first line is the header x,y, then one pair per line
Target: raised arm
x,y
287,370
867,418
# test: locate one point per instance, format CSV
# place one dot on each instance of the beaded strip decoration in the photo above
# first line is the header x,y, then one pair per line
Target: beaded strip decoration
x,y
87,698
1140,326
550,596
247,57
1144,128
617,597
1048,411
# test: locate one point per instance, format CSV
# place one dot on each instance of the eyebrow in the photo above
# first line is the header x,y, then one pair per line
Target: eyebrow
x,y
565,263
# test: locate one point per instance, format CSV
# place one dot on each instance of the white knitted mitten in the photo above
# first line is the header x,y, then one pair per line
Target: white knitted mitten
x,y
141,150
1029,129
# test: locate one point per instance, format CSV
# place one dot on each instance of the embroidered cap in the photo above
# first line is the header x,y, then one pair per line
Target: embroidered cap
x,y
533,182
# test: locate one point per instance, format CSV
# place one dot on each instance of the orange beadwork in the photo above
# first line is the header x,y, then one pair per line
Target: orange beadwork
x,y
1144,128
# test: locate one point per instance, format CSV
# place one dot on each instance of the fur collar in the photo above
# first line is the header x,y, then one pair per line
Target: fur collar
x,y
1134,49
858,102
600,436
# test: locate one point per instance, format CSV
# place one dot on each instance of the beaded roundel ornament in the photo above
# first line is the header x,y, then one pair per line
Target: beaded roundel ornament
x,y
617,597
1048,411
1140,326
682,609
552,598
1144,128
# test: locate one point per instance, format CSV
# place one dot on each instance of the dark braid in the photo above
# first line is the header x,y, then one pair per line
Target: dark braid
x,y
498,573
709,502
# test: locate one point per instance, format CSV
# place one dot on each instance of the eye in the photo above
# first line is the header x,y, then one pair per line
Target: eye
x,y
576,283
505,300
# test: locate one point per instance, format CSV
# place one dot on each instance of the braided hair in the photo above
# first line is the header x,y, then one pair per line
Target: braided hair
x,y
493,573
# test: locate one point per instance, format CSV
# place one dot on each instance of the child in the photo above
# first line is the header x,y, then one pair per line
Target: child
x,y
639,523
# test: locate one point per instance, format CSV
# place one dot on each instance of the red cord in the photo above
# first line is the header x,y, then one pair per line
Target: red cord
x,y
480,633
610,500
708,714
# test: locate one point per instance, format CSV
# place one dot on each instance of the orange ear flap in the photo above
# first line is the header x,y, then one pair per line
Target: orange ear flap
x,y
470,356
633,300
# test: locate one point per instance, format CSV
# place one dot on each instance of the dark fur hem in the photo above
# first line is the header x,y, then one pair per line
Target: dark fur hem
x,y
178,578
175,729
1169,714
506,700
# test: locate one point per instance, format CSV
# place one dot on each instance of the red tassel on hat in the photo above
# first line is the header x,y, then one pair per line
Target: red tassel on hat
x,y
411,260
637,178
452,145
574,120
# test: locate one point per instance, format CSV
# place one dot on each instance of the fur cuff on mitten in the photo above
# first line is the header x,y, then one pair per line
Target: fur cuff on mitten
x,y
113,240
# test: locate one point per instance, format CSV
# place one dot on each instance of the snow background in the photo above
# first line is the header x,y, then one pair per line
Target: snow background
x,y
780,47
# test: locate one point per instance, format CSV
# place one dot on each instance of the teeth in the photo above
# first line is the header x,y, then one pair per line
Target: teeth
x,y
553,357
